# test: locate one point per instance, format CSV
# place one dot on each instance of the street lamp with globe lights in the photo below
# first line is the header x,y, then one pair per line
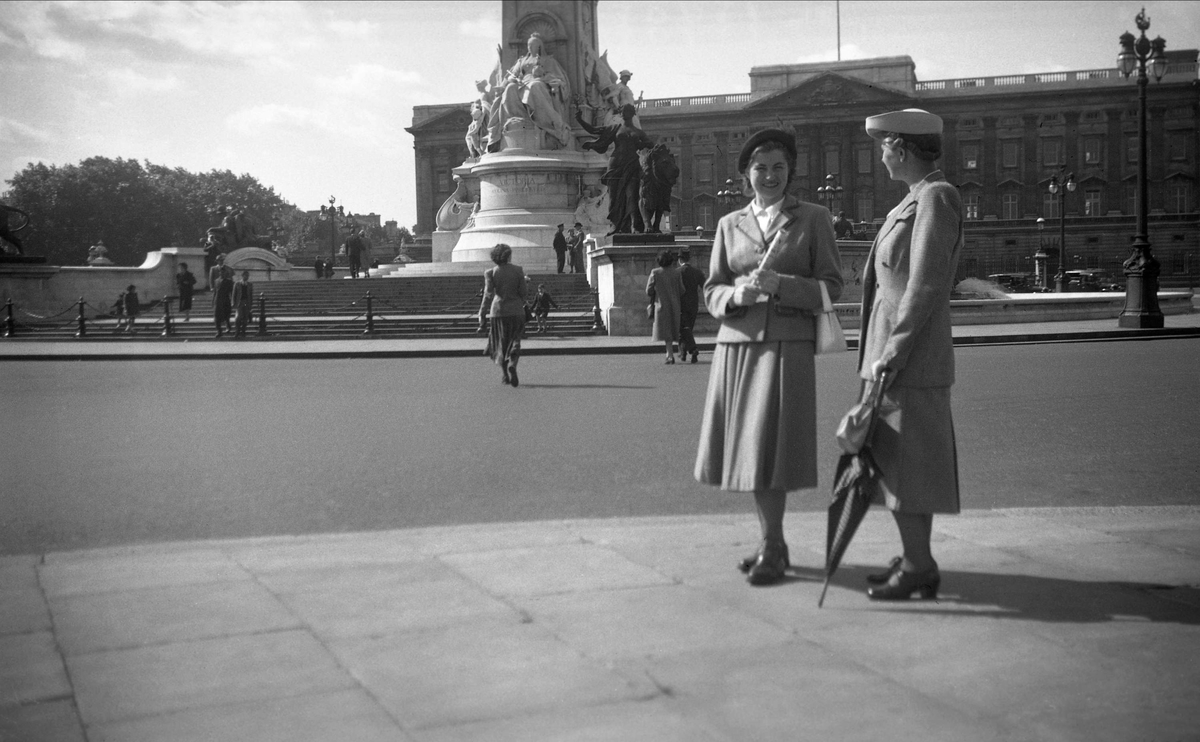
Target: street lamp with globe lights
x,y
332,215
830,192
1055,188
731,195
1142,268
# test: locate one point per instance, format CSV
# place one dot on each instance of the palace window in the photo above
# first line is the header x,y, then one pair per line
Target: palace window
x,y
704,169
833,162
1177,146
866,207
1130,199
1092,148
864,156
1049,206
1052,152
971,205
1010,205
970,156
704,213
1091,202
1131,149
1010,153
1179,198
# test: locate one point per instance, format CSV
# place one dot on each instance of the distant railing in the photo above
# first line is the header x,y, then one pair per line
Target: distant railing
x,y
698,100
1041,78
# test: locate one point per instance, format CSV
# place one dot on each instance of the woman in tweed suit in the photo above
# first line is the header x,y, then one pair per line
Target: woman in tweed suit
x,y
906,335
758,433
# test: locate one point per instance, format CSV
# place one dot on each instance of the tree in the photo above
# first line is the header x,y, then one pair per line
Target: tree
x,y
135,209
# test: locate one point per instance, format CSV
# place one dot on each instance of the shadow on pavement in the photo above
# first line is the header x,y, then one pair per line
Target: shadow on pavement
x,y
585,386
1046,599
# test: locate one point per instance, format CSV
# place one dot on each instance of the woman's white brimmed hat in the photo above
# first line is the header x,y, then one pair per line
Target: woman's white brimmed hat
x,y
908,121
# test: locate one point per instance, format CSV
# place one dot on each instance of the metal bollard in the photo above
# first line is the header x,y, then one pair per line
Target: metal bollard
x,y
82,331
10,327
262,315
370,317
168,330
597,317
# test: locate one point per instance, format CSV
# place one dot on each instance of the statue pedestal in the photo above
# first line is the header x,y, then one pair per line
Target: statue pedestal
x,y
524,195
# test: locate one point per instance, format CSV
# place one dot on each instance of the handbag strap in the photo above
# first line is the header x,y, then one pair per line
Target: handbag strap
x,y
826,304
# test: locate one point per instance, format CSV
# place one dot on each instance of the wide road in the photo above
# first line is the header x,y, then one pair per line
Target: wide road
x,y
104,453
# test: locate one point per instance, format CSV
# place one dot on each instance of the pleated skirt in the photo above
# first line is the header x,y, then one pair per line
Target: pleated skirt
x,y
759,429
504,340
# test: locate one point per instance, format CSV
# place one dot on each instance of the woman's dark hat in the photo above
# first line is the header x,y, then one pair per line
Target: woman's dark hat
x,y
766,135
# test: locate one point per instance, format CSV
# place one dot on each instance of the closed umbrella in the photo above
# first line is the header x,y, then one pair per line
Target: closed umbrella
x,y
856,484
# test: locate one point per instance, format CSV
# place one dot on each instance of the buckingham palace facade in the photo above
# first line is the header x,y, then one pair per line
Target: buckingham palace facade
x,y
1005,138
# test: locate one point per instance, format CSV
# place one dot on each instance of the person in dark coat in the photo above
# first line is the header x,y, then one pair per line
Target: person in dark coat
x,y
906,344
131,306
665,288
185,285
319,266
575,247
214,273
758,432
560,248
503,305
354,250
223,300
243,304
689,305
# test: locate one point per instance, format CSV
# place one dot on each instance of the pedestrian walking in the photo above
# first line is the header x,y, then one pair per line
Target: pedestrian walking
x,y
131,306
222,300
354,249
243,304
543,302
185,285
503,306
758,431
560,248
665,288
689,305
905,333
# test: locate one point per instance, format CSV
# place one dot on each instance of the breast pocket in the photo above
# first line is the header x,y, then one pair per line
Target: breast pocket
x,y
895,242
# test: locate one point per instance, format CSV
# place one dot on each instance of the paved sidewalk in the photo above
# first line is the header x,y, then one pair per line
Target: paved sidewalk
x,y
1178,325
1053,624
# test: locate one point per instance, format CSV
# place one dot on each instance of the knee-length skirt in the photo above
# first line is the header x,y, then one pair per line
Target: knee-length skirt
x,y
913,445
504,340
759,429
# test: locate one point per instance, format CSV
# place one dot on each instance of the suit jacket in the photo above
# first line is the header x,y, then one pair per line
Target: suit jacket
x,y
503,292
906,287
807,253
243,295
560,243
693,280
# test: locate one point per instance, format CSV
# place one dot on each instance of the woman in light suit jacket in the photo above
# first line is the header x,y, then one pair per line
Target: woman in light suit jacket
x,y
758,433
504,293
906,335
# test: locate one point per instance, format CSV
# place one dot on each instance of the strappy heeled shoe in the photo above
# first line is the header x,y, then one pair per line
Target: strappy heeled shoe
x,y
902,585
881,577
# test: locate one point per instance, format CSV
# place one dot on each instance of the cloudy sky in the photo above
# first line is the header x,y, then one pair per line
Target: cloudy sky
x,y
312,97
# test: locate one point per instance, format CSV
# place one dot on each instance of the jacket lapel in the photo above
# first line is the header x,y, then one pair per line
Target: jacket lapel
x,y
788,214
749,226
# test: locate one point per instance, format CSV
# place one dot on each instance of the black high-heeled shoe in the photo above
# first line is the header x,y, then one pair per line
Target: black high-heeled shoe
x,y
881,577
749,561
771,565
902,585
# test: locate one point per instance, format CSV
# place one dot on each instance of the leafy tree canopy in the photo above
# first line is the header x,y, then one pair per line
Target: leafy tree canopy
x,y
135,208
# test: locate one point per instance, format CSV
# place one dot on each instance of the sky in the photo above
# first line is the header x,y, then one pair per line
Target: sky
x,y
312,98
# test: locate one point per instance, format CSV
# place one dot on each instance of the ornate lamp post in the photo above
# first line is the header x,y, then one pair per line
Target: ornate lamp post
x,y
1041,258
1141,268
331,215
829,192
732,193
1060,278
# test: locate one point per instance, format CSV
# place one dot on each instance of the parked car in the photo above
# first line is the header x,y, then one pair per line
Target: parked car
x,y
1016,283
1092,279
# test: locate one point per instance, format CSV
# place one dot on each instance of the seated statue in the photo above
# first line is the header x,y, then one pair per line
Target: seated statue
x,y
535,89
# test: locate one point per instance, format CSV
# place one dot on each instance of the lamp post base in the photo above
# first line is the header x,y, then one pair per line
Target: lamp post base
x,y
1141,290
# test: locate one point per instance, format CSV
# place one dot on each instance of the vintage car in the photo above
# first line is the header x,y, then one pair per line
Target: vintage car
x,y
1016,283
1092,279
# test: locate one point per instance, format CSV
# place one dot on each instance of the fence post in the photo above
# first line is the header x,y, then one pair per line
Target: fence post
x,y
167,329
10,327
262,315
82,331
370,317
597,317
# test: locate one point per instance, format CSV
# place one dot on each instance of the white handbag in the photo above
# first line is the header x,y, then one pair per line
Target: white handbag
x,y
830,338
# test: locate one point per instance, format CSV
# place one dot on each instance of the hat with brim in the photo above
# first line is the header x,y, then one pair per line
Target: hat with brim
x,y
909,121
766,135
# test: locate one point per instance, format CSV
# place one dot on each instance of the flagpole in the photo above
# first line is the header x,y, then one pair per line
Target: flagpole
x,y
838,4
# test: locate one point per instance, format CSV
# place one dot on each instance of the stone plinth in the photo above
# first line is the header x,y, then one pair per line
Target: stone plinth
x,y
524,195
621,275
